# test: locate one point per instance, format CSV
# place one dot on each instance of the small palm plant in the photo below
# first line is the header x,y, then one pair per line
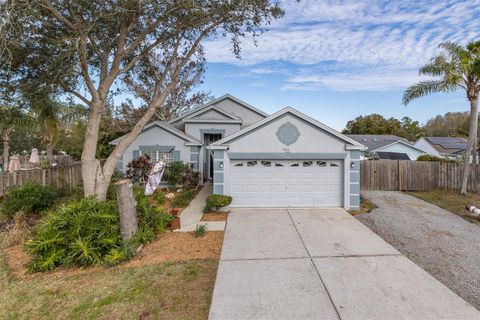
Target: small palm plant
x,y
455,68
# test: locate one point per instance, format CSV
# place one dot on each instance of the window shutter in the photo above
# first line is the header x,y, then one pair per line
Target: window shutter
x,y
136,154
176,155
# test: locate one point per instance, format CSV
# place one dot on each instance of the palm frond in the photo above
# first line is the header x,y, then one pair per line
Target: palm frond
x,y
454,50
437,67
424,88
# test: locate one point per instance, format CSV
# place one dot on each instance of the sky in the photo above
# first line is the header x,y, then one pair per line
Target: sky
x,y
336,60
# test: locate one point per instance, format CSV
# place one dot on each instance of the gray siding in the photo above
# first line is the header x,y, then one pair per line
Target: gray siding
x,y
156,137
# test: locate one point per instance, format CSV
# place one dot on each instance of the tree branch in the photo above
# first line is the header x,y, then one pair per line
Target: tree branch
x,y
79,96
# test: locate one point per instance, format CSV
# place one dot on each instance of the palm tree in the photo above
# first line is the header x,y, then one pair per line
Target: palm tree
x,y
455,68
10,118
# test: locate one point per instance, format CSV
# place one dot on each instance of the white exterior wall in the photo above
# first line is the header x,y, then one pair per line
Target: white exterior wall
x,y
311,140
412,153
427,147
193,129
154,136
247,115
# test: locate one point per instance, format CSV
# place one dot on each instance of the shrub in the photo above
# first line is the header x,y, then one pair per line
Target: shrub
x,y
183,199
427,157
87,232
30,198
216,202
179,173
81,233
139,168
200,230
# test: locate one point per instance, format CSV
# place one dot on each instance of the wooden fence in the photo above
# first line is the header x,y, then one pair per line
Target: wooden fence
x,y
415,175
62,176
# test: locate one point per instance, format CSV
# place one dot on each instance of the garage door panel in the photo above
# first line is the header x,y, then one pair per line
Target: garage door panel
x,y
279,184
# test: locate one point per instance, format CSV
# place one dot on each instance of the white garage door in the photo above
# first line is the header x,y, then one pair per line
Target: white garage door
x,y
292,183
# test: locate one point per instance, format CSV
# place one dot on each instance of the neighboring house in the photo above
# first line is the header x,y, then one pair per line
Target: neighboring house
x,y
283,160
444,147
387,146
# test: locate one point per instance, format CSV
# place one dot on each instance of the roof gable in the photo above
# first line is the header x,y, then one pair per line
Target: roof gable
x,y
212,114
288,110
218,100
376,141
398,142
167,127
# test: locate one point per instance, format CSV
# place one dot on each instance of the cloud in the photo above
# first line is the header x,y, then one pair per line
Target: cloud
x,y
361,81
381,38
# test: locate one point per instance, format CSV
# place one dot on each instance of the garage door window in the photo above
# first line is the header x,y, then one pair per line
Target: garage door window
x,y
295,164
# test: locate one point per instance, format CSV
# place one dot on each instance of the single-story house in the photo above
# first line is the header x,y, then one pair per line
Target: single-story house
x,y
387,146
286,159
444,147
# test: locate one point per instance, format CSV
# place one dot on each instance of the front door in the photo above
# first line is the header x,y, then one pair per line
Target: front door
x,y
209,138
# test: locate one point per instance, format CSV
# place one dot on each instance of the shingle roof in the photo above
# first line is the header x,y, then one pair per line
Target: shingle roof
x,y
375,141
447,144
391,156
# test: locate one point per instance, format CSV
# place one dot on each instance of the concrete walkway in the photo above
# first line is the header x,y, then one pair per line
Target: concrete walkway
x,y
191,215
321,264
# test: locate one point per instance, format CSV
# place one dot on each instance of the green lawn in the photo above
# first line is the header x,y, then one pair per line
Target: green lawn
x,y
158,291
450,200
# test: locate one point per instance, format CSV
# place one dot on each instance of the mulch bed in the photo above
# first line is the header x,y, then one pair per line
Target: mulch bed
x,y
213,216
168,247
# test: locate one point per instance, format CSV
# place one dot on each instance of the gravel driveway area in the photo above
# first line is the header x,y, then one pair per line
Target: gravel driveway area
x,y
442,243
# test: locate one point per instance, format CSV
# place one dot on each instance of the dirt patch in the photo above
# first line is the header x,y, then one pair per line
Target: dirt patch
x,y
180,246
213,216
365,206
168,247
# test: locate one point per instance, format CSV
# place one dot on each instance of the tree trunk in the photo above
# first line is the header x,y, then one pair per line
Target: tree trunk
x,y
50,153
6,148
126,208
91,167
472,133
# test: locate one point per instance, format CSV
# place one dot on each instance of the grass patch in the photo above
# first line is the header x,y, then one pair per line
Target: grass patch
x,y
365,207
450,200
180,290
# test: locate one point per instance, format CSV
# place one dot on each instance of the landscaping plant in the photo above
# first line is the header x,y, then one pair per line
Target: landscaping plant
x,y
30,198
139,168
200,230
179,173
87,232
183,199
217,201
427,157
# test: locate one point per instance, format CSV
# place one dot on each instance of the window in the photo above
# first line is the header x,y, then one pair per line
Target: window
x,y
333,164
251,163
321,163
278,164
296,164
166,156
307,163
156,156
240,164
267,163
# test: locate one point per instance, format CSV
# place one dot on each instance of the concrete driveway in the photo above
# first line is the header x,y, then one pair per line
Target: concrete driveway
x,y
321,264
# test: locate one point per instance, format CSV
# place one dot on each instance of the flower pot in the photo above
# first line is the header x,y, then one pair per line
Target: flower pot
x,y
175,211
175,224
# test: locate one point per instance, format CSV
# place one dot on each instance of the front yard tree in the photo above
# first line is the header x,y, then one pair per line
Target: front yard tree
x,y
148,47
455,68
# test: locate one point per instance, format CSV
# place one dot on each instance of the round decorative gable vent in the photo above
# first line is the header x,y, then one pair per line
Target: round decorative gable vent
x,y
288,133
